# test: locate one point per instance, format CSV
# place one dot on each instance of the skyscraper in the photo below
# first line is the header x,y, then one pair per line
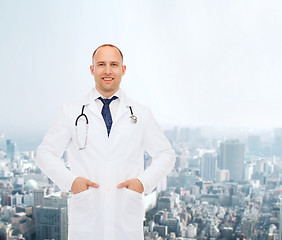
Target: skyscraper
x,y
3,144
254,145
278,142
11,149
280,218
208,166
38,195
232,158
51,222
51,219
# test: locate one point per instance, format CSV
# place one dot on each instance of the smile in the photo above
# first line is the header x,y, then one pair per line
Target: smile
x,y
108,79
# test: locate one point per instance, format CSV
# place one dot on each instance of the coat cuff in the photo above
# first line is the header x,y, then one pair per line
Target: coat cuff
x,y
146,187
69,182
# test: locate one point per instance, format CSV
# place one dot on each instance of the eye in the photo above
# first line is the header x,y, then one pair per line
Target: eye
x,y
114,64
100,64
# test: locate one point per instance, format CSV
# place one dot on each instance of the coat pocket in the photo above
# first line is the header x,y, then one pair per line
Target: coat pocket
x,y
77,195
134,193
130,214
133,210
83,211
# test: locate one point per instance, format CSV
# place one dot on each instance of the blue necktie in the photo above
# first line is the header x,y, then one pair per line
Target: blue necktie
x,y
106,113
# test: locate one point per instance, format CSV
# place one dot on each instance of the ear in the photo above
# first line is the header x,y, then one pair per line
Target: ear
x,y
92,69
123,69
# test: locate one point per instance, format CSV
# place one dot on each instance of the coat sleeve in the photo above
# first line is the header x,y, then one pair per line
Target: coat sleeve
x,y
50,152
163,156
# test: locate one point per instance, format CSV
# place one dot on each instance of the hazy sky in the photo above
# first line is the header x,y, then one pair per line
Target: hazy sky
x,y
193,62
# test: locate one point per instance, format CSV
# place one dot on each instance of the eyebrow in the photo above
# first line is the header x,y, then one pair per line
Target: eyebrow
x,y
111,62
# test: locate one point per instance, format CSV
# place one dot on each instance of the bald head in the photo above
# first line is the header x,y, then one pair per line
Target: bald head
x,y
106,45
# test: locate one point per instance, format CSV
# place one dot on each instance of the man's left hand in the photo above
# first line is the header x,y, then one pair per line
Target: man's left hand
x,y
132,184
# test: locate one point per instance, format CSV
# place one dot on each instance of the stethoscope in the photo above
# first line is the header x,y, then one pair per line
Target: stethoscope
x,y
132,119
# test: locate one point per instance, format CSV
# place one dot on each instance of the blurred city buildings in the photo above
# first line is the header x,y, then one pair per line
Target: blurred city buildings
x,y
224,186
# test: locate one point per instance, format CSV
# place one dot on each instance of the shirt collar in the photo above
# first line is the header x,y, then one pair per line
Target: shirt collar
x,y
96,94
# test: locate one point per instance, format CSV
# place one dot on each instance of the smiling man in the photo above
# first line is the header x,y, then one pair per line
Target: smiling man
x,y
106,135
109,69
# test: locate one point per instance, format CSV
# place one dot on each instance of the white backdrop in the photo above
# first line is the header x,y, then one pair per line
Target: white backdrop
x,y
195,63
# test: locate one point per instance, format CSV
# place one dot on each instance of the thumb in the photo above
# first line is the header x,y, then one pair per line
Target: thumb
x,y
92,184
123,184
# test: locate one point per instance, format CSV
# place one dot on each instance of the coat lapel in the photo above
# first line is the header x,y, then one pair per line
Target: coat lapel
x,y
89,101
94,109
123,109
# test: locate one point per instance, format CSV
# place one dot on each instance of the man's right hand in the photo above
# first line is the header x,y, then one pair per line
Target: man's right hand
x,y
81,184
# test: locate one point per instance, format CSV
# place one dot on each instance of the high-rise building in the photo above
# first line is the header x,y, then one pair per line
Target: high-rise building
x,y
10,149
51,223
15,199
254,145
181,162
38,196
208,166
165,202
232,158
222,175
280,219
248,172
277,142
3,144
4,197
51,218
259,166
191,231
247,227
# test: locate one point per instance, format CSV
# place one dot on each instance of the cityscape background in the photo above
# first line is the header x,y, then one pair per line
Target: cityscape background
x,y
220,188
195,63
209,70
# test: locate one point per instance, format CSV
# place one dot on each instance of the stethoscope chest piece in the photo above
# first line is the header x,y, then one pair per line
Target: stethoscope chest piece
x,y
132,118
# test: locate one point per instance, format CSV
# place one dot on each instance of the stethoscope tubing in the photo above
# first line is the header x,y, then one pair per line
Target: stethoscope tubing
x,y
132,119
81,115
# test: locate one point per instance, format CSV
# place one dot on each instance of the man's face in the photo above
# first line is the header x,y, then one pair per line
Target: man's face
x,y
107,70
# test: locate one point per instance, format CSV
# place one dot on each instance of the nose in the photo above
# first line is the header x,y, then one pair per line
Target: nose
x,y
108,70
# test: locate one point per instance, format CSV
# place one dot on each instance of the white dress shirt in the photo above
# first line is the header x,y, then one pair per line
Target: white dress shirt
x,y
113,105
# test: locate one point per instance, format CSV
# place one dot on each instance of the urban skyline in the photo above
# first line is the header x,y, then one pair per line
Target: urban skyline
x,y
204,197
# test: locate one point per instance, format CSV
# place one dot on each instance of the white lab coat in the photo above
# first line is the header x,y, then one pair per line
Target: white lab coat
x,y
106,213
